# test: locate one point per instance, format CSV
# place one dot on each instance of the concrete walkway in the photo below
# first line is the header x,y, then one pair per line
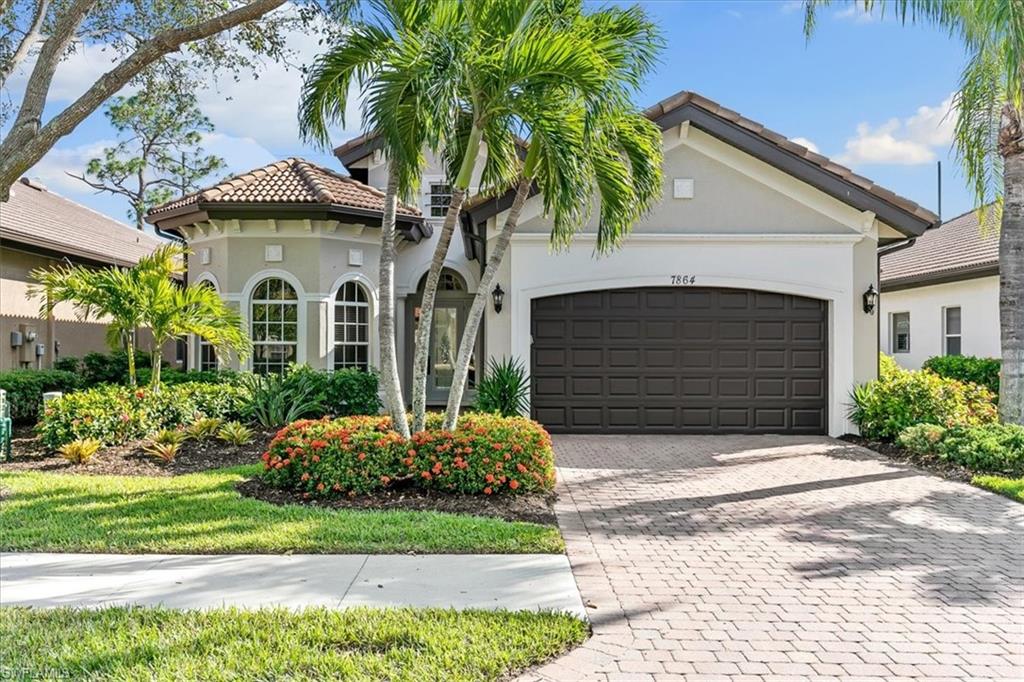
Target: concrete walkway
x,y
515,582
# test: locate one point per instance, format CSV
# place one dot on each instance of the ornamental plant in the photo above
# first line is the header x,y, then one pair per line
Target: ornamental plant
x,y
967,368
992,448
488,454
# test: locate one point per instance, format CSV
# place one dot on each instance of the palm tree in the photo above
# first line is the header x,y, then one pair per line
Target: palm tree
x,y
143,296
172,312
581,141
394,58
108,294
989,141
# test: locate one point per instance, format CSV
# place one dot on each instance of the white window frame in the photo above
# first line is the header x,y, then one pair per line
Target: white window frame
x,y
893,345
199,343
300,303
327,337
340,344
946,336
429,180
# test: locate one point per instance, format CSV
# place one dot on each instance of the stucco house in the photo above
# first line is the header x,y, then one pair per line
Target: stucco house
x,y
940,294
738,305
40,229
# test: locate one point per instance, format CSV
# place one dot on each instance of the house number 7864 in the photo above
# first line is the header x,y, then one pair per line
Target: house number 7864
x,y
683,279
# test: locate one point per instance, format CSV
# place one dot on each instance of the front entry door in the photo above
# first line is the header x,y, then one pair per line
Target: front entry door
x,y
451,310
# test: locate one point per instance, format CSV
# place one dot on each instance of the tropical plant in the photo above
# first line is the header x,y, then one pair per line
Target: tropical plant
x,y
922,439
169,436
164,451
504,388
204,427
80,451
276,400
583,137
235,433
989,141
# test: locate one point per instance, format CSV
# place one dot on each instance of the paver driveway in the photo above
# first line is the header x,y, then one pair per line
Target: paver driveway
x,y
771,558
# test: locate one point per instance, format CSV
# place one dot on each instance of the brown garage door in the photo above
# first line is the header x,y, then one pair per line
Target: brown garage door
x,y
679,360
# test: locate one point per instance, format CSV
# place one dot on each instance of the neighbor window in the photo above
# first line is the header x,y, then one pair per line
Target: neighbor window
x,y
439,195
207,351
901,332
951,330
351,327
275,326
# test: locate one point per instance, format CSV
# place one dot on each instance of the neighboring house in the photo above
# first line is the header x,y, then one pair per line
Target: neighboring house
x,y
39,229
940,295
736,306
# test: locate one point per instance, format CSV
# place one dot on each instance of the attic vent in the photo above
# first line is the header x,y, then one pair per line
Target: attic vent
x,y
34,184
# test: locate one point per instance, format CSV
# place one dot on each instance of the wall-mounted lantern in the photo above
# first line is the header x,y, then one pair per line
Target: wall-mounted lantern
x,y
499,297
870,299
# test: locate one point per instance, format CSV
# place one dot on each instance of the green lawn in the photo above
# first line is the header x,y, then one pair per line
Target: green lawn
x,y
203,513
1011,487
275,644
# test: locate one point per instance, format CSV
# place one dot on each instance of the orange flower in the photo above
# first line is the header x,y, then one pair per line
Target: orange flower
x,y
362,456
426,475
305,476
316,458
513,484
385,480
320,486
489,478
521,467
487,490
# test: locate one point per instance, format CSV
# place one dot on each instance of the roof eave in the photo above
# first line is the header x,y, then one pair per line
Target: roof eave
x,y
925,279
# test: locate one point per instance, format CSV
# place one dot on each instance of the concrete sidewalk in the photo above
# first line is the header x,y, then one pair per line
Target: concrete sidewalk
x,y
490,581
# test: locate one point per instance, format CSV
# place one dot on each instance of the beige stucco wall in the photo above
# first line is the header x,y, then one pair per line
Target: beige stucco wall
x,y
978,300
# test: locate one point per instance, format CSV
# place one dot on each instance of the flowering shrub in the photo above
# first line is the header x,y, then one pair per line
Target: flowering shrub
x,y
900,398
116,414
488,454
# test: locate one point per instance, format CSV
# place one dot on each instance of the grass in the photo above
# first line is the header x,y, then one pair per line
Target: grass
x,y
203,513
1010,487
277,644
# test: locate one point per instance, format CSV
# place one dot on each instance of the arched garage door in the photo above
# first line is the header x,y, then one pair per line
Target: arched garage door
x,y
679,360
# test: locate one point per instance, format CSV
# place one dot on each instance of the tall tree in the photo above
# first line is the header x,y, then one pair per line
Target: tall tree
x,y
161,155
989,141
582,143
167,36
391,48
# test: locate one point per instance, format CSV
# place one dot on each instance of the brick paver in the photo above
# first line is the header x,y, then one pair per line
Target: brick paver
x,y
780,558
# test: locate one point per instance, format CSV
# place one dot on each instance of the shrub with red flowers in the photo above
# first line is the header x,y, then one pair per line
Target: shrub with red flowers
x,y
488,454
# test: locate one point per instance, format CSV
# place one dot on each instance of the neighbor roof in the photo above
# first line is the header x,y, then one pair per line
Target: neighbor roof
x,y
958,249
39,219
292,183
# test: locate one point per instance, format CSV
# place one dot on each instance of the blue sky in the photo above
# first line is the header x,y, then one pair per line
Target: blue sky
x,y
869,93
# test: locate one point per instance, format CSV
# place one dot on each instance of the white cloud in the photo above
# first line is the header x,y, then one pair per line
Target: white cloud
x,y
804,142
75,74
52,170
790,6
856,13
906,142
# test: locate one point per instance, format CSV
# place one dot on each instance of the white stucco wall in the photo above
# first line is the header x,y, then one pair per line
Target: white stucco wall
x,y
978,300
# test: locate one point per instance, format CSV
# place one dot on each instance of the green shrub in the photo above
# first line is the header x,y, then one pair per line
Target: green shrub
x,y
991,448
68,364
967,368
504,388
488,454
116,414
235,433
340,393
900,398
275,400
110,368
25,388
922,439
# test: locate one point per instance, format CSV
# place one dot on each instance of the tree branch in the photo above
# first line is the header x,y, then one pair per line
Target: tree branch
x,y
16,159
32,35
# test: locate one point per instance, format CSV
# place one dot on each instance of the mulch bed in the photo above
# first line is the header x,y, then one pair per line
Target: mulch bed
x,y
535,507
28,454
933,465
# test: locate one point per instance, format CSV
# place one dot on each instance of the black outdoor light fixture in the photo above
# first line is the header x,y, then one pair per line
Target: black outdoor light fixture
x,y
498,294
870,299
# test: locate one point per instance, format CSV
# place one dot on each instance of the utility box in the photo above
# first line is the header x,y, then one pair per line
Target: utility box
x,y
27,350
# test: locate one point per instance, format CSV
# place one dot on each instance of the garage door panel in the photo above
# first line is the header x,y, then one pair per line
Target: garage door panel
x,y
674,360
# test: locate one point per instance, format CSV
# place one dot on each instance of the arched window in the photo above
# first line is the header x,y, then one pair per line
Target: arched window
x,y
352,327
274,320
207,351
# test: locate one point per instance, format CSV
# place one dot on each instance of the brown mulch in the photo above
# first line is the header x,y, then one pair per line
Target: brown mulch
x,y
933,465
533,507
28,454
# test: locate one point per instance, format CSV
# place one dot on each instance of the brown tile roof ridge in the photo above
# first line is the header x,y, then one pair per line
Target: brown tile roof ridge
x,y
960,243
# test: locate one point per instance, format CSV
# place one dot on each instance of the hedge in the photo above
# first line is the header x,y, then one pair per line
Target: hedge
x,y
487,454
25,388
992,448
900,398
967,368
116,414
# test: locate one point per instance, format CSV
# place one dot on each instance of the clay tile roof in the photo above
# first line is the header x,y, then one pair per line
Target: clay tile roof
x,y
680,99
957,246
291,181
37,217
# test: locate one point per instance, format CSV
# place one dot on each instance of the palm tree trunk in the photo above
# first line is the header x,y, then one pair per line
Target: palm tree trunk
x,y
156,360
476,311
393,402
1011,275
425,322
130,345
